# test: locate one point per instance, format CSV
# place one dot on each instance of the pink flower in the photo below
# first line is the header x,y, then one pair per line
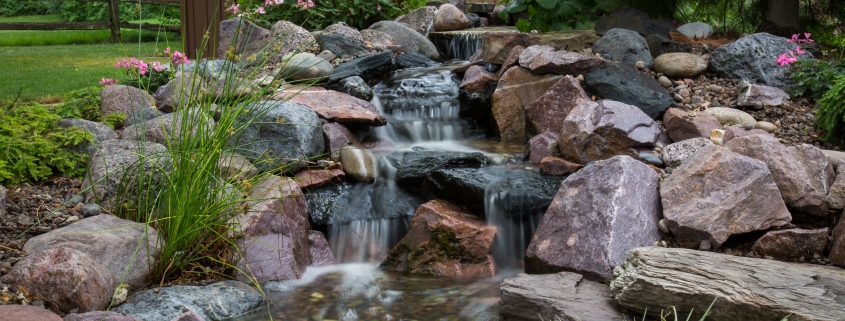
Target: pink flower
x,y
107,81
273,2
799,51
305,4
157,66
260,10
786,59
178,58
167,51
794,38
233,8
378,7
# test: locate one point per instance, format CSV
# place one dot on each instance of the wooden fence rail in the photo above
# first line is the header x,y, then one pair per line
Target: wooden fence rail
x,y
114,20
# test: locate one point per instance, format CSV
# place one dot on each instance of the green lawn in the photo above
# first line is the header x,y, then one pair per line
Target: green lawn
x,y
45,72
73,37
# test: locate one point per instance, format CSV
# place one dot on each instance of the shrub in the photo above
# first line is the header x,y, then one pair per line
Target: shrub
x,y
830,110
550,15
12,8
34,147
356,13
85,104
813,78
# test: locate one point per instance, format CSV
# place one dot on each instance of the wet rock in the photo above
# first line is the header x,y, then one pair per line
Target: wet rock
x,y
28,312
65,277
242,36
476,79
343,29
680,64
337,136
517,88
696,30
659,45
542,146
730,116
217,301
415,166
110,241
354,86
625,46
101,132
313,178
545,60
333,205
791,244
835,197
561,296
366,67
287,37
380,40
750,58
97,316
511,60
496,46
548,112
414,60
675,154
303,66
624,83
335,106
681,125
358,163
717,193
759,96
448,18
732,132
558,166
410,40
124,99
596,131
321,254
285,135
115,162
802,173
748,289
591,223
421,20
168,130
342,46
444,240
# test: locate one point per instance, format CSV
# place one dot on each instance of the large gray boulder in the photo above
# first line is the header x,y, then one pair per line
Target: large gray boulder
x,y
598,215
287,37
366,67
168,129
624,83
304,66
242,36
217,301
410,40
342,46
118,163
595,131
421,20
111,241
563,296
101,132
753,59
272,144
449,18
124,99
717,193
545,60
653,278
625,46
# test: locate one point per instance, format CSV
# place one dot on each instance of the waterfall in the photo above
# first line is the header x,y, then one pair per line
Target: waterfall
x,y
456,45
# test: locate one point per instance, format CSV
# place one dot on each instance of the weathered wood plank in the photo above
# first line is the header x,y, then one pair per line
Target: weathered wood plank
x,y
748,289
149,26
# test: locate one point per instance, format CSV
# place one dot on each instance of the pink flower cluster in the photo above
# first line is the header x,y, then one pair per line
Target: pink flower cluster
x,y
236,10
305,4
133,64
805,40
107,81
792,56
178,57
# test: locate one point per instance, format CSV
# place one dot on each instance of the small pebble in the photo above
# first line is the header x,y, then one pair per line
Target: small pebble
x,y
90,210
705,245
651,159
72,219
640,65
662,225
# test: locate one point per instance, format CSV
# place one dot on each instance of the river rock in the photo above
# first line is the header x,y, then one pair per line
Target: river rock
x,y
343,29
303,66
732,132
496,46
751,59
673,155
415,166
65,277
167,129
95,316
681,125
268,257
511,60
517,88
366,67
625,46
802,173
380,40
632,19
101,132
421,20
29,312
448,18
410,40
358,163
476,79
115,161
321,254
696,30
312,178
285,135
744,288
186,89
547,112
218,301
624,83
835,197
597,215
680,64
110,241
287,37
659,45
354,86
337,136
542,146
235,167
545,60
730,116
124,99
558,166
444,240
596,131
342,46
414,60
717,193
791,244
759,96
242,36
563,296
335,106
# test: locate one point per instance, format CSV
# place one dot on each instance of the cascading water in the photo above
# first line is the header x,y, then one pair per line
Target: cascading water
x,y
456,45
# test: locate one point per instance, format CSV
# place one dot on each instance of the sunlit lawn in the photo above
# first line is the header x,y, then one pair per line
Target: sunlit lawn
x,y
68,37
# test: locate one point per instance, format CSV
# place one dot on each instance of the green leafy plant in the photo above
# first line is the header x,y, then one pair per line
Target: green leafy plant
x,y
550,15
318,14
85,104
813,78
830,110
34,147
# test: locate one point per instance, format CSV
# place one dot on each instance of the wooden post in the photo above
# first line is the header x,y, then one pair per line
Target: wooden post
x,y
200,27
114,19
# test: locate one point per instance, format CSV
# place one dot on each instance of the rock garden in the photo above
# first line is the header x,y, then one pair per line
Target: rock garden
x,y
442,165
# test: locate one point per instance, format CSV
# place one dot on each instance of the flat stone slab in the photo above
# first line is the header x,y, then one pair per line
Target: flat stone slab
x,y
563,296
